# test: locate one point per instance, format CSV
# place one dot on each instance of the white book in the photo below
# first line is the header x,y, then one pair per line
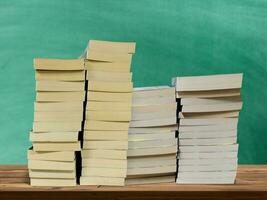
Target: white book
x,y
152,151
207,161
220,155
149,162
200,175
155,129
96,180
210,101
153,115
208,134
152,143
199,128
207,141
150,180
210,148
209,93
212,108
133,172
227,180
153,100
153,136
156,91
209,82
209,115
153,122
208,121
207,168
137,109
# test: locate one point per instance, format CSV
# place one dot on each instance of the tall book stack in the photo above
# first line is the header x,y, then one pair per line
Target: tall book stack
x,y
152,144
58,116
208,117
108,113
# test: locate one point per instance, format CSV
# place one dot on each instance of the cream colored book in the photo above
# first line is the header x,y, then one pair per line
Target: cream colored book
x,y
208,134
119,67
58,116
109,96
108,145
108,46
152,151
62,86
216,127
212,108
53,182
105,135
151,136
51,165
104,163
52,156
154,108
160,170
223,114
54,137
152,143
52,174
115,116
58,64
106,126
108,106
209,94
210,82
97,55
47,75
59,106
210,148
150,180
158,91
211,121
207,141
56,146
56,126
104,172
96,180
163,114
155,129
60,96
109,76
153,122
207,155
105,154
210,101
110,86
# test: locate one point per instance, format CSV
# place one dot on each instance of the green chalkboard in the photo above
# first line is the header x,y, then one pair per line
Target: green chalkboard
x,y
174,38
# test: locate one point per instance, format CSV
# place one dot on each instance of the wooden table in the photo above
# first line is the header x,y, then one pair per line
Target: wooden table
x,y
251,183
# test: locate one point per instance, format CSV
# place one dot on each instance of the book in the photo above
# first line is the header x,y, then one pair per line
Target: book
x,y
56,146
60,86
53,182
59,75
58,64
51,156
208,126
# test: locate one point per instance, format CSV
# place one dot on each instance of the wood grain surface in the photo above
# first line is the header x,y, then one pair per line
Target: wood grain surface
x,y
251,183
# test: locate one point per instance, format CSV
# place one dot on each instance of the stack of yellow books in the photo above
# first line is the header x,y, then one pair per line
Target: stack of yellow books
x,y
152,144
208,117
108,112
58,116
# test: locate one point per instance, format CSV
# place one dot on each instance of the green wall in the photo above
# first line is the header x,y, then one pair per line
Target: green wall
x,y
174,38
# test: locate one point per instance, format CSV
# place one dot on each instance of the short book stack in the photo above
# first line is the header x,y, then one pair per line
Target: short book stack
x,y
152,144
209,109
108,113
58,116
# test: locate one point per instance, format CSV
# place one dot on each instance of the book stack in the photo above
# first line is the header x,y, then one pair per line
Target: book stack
x,y
152,144
108,113
58,116
208,117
